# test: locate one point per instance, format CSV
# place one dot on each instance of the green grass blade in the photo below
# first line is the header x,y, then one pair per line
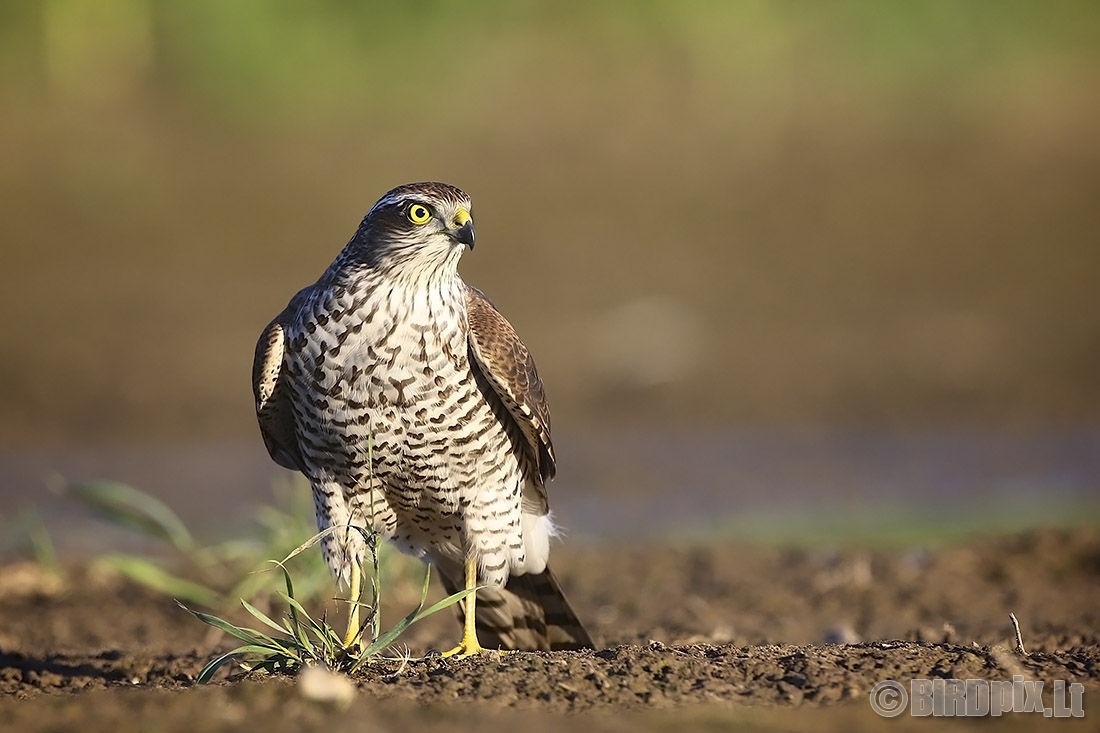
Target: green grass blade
x,y
217,662
249,636
297,609
326,636
330,640
271,666
261,616
311,542
369,622
384,640
295,620
324,533
125,505
151,575
381,641
214,665
445,603
317,630
376,592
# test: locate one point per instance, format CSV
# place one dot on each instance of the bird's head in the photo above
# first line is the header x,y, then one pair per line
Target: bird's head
x,y
418,225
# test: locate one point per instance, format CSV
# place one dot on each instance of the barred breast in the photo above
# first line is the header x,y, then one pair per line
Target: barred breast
x,y
397,430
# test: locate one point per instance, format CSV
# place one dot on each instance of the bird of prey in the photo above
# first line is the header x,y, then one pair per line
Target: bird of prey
x,y
412,406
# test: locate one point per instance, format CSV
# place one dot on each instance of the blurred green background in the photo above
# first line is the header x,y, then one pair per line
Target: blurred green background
x,y
843,213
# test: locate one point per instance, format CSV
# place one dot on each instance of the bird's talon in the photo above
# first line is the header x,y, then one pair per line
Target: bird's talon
x,y
463,650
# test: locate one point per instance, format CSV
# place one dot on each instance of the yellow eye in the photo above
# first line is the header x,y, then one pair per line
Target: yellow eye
x,y
419,214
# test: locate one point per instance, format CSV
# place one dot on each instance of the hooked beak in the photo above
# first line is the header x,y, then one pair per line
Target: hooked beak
x,y
464,228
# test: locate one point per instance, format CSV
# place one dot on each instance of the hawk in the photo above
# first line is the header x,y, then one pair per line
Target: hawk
x,y
412,407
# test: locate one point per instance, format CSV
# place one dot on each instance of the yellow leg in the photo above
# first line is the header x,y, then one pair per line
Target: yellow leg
x,y
469,645
352,634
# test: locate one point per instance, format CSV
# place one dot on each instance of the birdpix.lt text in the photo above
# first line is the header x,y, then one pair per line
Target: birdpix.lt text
x,y
977,698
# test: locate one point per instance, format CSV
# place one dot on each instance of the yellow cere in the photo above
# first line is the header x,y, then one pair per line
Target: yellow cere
x,y
461,217
419,214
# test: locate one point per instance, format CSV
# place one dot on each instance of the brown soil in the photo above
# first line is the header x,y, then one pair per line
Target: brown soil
x,y
706,636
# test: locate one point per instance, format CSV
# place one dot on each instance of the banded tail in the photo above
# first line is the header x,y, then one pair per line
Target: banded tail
x,y
529,613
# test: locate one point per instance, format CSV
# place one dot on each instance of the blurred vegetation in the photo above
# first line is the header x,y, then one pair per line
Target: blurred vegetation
x,y
215,575
843,211
221,574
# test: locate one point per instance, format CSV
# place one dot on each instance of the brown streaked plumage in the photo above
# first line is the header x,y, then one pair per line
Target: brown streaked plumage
x,y
510,368
390,349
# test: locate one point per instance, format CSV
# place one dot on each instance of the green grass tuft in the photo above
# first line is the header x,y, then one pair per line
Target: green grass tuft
x,y
299,639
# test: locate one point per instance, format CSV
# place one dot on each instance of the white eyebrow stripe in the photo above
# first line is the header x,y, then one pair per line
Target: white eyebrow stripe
x,y
387,200
432,194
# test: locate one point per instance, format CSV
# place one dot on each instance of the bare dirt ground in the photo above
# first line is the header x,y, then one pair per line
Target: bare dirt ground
x,y
704,636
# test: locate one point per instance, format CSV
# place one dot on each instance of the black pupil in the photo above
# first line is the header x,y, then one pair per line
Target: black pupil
x,y
419,212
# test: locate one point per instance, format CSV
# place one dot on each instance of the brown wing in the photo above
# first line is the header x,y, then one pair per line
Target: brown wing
x,y
507,365
273,409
